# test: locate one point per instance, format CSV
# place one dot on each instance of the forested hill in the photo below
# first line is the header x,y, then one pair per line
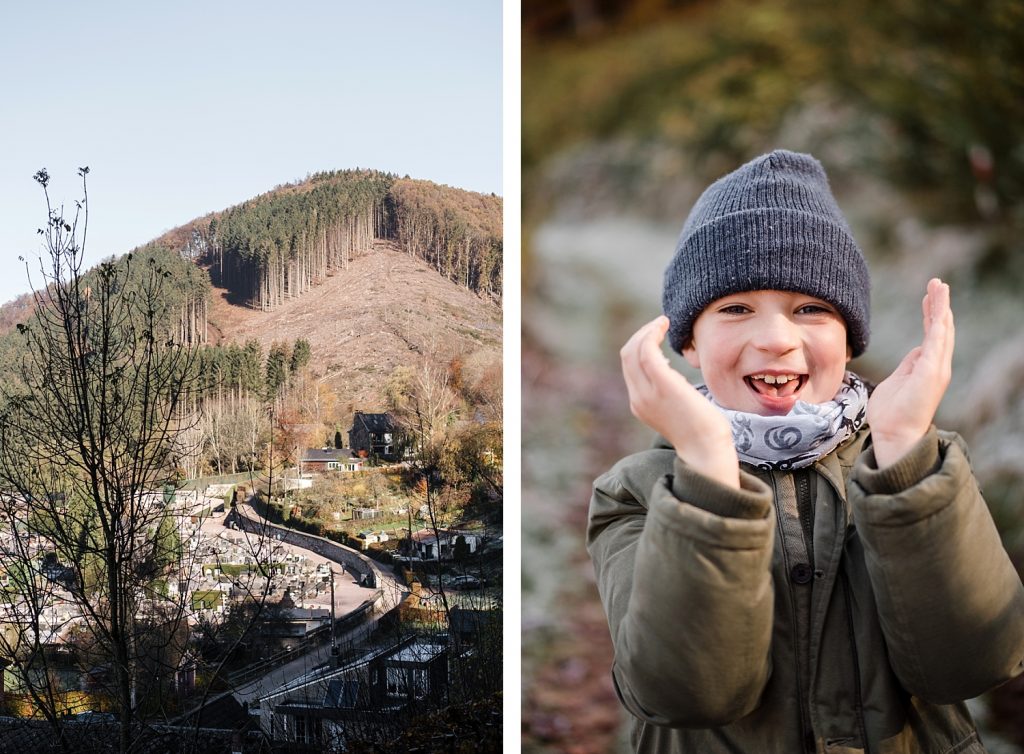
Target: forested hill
x,y
371,270
283,243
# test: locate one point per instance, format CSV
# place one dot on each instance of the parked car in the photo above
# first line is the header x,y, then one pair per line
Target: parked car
x,y
465,582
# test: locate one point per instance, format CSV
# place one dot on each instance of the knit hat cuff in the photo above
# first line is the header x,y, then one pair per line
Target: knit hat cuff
x,y
768,249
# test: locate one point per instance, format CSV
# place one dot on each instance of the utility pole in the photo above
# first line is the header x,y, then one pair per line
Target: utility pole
x,y
334,639
408,540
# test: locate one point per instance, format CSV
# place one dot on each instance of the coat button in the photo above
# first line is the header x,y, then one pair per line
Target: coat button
x,y
801,573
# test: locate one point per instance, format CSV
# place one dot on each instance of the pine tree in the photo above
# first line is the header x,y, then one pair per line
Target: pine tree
x,y
301,355
276,372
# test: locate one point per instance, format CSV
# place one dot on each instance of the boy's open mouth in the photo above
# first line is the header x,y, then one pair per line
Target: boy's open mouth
x,y
776,385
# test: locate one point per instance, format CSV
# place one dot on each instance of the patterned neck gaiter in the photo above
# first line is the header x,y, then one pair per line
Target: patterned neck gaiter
x,y
808,432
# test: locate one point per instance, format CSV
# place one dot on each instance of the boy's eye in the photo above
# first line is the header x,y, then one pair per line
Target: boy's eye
x,y
734,309
814,309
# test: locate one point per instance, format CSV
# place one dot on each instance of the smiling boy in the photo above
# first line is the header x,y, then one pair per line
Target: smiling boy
x,y
798,566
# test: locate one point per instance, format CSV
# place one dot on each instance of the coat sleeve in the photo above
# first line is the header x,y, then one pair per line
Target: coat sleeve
x,y
950,601
687,591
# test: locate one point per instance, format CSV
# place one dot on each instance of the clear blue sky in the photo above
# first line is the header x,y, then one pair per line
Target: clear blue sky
x,y
187,107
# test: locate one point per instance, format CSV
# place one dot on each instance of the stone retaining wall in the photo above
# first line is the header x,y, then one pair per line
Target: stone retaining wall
x,y
366,570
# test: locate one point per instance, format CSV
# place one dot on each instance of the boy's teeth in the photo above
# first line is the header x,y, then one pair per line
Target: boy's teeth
x,y
772,379
777,385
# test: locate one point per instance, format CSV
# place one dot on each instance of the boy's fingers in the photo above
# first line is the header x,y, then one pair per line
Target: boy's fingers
x,y
649,375
926,311
939,339
951,337
906,366
631,346
945,315
937,323
929,304
652,358
639,336
633,370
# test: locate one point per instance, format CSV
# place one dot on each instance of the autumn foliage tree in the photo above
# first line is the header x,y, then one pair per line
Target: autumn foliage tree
x,y
459,233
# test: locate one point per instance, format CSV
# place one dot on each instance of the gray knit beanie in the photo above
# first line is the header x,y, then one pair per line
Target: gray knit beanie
x,y
772,224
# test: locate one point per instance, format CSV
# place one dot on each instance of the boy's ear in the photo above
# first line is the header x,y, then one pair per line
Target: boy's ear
x,y
690,354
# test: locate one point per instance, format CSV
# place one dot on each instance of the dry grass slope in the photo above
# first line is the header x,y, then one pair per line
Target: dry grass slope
x,y
382,312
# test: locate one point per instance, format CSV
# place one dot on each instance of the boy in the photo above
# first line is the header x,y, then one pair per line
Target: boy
x,y
797,567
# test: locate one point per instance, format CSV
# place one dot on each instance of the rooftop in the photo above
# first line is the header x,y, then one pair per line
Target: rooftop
x,y
320,455
375,422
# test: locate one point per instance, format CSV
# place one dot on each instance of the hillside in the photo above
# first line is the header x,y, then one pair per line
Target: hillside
x,y
372,270
381,312
283,243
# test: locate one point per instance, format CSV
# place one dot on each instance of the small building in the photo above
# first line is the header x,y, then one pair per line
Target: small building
x,y
376,434
368,537
321,460
429,544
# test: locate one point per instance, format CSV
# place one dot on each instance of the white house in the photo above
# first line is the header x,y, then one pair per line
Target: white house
x,y
429,545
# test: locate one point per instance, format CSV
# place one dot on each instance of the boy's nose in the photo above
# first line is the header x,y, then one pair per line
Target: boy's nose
x,y
776,334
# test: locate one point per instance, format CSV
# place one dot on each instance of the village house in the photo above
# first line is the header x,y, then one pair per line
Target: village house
x,y
430,545
368,537
320,460
376,434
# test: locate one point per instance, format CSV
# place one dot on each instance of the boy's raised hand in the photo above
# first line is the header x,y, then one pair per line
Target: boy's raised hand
x,y
902,407
665,401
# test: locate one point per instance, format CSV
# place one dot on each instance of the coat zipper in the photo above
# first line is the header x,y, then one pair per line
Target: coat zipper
x,y
859,708
805,510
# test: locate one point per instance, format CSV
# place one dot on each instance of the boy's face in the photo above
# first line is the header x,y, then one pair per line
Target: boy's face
x,y
762,351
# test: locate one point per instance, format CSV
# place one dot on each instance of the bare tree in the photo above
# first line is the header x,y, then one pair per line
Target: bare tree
x,y
255,425
211,425
423,399
189,444
88,436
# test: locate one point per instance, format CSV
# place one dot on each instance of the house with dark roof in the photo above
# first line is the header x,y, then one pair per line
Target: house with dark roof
x,y
320,460
376,434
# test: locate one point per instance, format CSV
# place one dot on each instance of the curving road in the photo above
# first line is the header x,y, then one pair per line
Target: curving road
x,y
349,596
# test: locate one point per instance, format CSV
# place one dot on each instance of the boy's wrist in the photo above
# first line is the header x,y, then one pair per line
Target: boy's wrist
x,y
891,447
717,466
918,462
750,499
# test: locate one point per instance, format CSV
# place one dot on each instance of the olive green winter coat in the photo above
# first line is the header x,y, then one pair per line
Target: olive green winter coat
x,y
834,609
